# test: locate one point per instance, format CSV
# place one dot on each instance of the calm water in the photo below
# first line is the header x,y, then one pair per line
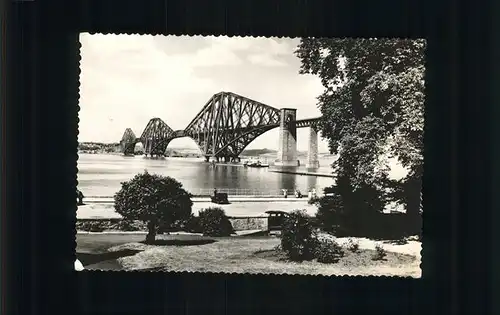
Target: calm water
x,y
101,175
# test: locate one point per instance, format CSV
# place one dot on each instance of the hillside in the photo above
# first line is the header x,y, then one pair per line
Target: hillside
x,y
96,147
103,148
257,152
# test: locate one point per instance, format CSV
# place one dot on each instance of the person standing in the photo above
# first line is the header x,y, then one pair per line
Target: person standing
x,y
80,197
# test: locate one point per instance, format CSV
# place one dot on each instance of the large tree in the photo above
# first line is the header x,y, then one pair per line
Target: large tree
x,y
372,107
154,199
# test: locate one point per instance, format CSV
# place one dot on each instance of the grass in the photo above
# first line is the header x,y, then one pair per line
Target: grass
x,y
99,243
94,258
103,251
238,255
363,257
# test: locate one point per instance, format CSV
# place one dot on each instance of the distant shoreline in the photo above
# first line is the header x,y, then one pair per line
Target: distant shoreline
x,y
193,155
114,149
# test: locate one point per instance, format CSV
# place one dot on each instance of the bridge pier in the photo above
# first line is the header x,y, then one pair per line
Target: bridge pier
x,y
287,150
312,153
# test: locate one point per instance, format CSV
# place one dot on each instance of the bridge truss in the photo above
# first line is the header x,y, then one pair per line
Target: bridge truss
x,y
224,127
156,137
128,142
230,122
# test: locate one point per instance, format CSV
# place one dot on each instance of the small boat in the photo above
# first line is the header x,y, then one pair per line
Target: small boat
x,y
255,164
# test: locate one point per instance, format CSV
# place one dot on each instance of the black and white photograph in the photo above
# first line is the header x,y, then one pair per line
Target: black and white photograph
x,y
298,156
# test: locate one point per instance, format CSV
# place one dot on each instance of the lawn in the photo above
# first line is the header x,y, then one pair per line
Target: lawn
x,y
241,255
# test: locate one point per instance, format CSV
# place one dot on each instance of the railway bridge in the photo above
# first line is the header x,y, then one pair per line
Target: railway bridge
x,y
225,126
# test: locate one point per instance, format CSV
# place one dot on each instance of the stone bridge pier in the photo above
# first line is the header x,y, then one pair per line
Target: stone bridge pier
x,y
312,153
287,150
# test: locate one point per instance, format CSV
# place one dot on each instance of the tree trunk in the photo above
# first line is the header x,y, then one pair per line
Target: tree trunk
x,y
151,236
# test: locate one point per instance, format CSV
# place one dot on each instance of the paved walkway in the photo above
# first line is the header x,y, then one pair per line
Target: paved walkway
x,y
105,210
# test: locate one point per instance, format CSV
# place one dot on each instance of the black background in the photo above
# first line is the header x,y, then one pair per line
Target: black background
x,y
39,123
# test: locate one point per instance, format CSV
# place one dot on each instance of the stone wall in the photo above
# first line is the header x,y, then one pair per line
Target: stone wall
x,y
248,223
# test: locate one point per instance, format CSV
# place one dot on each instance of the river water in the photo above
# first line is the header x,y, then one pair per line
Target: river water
x,y
102,174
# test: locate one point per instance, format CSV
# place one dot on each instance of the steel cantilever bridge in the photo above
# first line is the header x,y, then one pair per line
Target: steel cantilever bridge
x,y
223,128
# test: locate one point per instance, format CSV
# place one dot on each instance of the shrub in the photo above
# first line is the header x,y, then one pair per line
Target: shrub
x,y
153,199
345,211
380,252
82,226
313,200
93,226
298,238
128,225
214,222
352,245
328,251
192,225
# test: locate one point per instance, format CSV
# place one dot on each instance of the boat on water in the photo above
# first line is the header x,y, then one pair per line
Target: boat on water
x,y
255,164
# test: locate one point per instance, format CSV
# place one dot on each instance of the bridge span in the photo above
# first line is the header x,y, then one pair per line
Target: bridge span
x,y
225,126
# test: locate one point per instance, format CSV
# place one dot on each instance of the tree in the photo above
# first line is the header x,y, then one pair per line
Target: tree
x,y
372,107
153,199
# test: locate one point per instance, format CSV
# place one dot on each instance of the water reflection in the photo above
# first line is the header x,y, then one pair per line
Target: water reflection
x,y
287,181
100,175
312,182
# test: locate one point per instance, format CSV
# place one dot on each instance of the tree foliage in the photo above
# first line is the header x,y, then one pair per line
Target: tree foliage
x,y
372,105
154,199
347,212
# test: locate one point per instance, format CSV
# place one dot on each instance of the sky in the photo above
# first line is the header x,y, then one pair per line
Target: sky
x,y
126,80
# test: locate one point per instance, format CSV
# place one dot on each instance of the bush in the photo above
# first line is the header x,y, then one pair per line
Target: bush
x,y
328,251
345,211
298,238
153,199
380,252
92,226
128,225
214,222
193,225
352,245
313,200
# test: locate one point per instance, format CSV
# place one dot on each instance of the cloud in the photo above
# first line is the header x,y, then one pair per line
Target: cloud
x,y
215,56
265,60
